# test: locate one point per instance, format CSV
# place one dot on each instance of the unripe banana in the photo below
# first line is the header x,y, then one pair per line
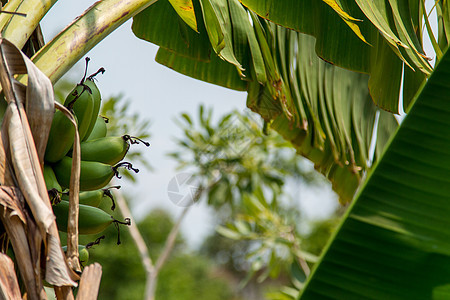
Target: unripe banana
x,y
97,99
50,179
53,187
95,198
81,102
93,175
100,130
60,138
108,150
91,220
83,254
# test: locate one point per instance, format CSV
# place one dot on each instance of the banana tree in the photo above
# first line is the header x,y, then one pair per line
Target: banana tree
x,y
328,113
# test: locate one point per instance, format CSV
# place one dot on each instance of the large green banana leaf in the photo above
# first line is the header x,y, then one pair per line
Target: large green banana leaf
x,y
392,29
394,243
325,111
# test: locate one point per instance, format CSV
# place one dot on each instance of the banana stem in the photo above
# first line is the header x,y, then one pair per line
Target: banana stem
x,y
96,242
54,196
18,29
87,59
11,5
126,165
92,76
107,192
135,140
106,119
86,31
127,222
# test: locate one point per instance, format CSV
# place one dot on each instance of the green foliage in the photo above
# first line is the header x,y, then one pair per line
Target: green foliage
x,y
314,242
234,156
191,277
122,120
274,241
230,254
155,228
121,264
185,276
394,241
246,167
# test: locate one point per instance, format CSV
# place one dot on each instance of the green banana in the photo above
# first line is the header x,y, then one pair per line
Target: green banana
x,y
94,198
53,187
60,138
91,220
100,130
50,179
108,150
81,102
93,175
83,253
97,99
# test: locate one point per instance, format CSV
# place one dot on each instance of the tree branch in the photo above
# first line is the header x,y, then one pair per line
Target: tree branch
x,y
152,271
136,236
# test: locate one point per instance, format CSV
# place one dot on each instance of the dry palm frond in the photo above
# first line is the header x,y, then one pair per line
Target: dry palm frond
x,y
9,288
24,135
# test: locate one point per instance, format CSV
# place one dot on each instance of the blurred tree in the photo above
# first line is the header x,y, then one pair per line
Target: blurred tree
x,y
243,169
190,276
185,276
235,156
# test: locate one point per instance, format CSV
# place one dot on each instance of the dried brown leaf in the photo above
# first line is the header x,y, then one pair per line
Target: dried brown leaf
x,y
9,287
90,282
72,222
63,293
22,152
15,220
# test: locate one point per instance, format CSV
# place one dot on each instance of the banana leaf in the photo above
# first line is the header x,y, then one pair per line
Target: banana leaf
x,y
392,30
326,112
394,242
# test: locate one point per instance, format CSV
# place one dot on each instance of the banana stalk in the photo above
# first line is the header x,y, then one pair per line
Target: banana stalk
x,y
18,28
69,46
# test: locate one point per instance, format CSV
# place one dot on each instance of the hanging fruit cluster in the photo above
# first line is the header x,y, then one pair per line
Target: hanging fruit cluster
x,y
101,156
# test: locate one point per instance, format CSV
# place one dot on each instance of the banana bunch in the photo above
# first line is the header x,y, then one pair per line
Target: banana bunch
x,y
101,156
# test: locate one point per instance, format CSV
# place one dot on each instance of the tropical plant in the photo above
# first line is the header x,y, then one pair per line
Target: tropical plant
x,y
326,112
